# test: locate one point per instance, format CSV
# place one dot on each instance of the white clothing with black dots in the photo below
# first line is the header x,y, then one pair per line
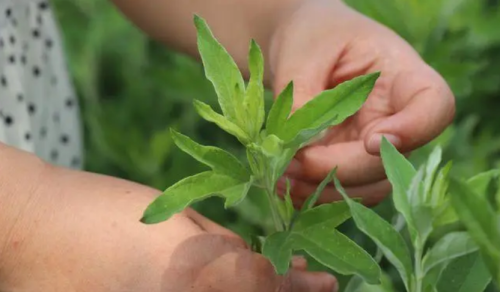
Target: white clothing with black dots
x,y
39,111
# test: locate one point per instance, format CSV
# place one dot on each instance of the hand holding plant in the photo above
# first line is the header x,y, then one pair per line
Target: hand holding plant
x,y
269,151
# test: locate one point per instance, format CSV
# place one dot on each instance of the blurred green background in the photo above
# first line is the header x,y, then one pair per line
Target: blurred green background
x,y
132,90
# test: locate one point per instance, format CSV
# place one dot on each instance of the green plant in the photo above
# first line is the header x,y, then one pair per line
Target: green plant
x,y
269,151
434,260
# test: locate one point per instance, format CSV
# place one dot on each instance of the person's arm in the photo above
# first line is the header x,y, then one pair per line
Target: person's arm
x,y
66,230
233,23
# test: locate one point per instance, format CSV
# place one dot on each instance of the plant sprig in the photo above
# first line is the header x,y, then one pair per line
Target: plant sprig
x,y
269,151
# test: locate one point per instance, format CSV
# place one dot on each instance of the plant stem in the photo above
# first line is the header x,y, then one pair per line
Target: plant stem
x,y
419,273
278,222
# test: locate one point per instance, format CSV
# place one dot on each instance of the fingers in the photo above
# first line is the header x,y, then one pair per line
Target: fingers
x,y
370,194
424,106
355,165
214,228
299,263
301,281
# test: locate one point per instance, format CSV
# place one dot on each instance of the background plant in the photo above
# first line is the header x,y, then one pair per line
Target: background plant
x,y
126,80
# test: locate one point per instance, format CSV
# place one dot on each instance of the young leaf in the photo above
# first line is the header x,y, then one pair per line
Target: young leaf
x,y
311,200
287,210
280,110
331,215
480,220
464,274
219,160
448,248
191,189
278,249
342,101
337,252
220,69
314,232
390,242
307,136
440,186
420,212
430,171
480,182
206,112
288,202
254,95
400,173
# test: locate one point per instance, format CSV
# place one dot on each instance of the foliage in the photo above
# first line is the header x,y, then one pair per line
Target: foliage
x,y
269,151
428,200
127,81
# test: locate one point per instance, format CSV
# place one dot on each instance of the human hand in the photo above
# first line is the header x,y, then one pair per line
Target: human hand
x,y
322,43
78,231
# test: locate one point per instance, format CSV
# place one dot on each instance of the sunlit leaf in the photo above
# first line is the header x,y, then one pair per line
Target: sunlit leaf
x,y
218,159
191,189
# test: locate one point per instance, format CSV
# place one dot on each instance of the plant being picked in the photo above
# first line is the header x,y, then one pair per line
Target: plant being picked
x,y
269,151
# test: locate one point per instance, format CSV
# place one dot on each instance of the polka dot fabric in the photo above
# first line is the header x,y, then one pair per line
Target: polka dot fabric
x,y
38,108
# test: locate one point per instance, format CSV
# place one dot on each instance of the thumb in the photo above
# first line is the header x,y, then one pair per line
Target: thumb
x,y
424,106
307,66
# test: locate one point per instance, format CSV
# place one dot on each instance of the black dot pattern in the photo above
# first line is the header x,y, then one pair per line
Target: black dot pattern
x,y
39,111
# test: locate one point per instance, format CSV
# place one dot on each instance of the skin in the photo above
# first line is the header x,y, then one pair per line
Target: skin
x,y
77,231
74,231
319,44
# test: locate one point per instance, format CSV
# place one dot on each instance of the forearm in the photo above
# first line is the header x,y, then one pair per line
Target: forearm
x,y
233,22
20,174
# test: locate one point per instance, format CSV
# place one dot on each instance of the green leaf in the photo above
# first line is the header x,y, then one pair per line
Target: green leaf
x,y
272,146
487,184
465,274
337,252
254,95
356,284
308,136
421,214
206,112
480,220
314,232
191,189
218,159
400,173
286,207
311,200
479,183
342,101
440,187
448,248
280,110
278,249
430,171
331,215
390,242
288,201
328,215
220,69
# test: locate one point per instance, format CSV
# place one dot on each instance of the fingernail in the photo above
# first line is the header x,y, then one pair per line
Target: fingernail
x,y
294,168
376,139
